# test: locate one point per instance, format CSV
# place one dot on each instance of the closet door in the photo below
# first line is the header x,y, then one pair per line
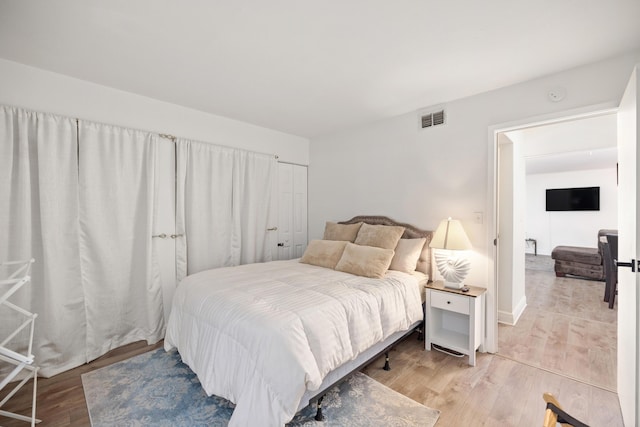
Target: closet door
x,y
164,240
292,211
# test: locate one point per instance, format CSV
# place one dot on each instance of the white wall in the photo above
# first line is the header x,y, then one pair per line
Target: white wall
x,y
393,168
511,229
40,90
576,228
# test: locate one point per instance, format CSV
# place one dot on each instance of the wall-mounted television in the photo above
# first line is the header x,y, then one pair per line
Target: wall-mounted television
x,y
573,199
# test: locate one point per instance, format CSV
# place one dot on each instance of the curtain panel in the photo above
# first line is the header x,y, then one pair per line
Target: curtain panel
x,y
223,206
81,198
123,293
39,219
81,204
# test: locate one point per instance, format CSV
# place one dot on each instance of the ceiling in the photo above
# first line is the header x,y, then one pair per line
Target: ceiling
x,y
313,67
603,158
578,144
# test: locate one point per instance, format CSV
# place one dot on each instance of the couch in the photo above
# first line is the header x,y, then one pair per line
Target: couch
x,y
581,261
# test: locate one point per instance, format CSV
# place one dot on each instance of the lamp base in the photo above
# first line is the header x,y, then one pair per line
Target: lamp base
x,y
453,285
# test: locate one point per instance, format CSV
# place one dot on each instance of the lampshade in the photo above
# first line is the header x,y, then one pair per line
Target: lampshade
x,y
453,267
450,235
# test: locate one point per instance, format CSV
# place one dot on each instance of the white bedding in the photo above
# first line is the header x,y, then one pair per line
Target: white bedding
x,y
260,335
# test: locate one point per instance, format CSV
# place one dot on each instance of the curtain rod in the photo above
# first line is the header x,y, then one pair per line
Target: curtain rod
x,y
167,136
175,139
78,120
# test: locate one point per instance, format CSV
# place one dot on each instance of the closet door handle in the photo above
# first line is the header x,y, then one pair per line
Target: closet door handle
x,y
272,229
161,236
175,236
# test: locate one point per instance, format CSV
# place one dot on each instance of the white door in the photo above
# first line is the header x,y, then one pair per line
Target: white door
x,y
628,304
292,211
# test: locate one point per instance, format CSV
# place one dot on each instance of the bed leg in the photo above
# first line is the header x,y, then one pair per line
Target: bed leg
x,y
386,361
319,416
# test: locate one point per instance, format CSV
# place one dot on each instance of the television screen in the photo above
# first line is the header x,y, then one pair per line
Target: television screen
x,y
573,199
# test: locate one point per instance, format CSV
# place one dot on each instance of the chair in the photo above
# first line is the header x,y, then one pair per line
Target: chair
x,y
555,414
612,284
609,267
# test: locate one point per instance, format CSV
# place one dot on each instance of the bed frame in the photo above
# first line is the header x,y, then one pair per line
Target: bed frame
x,y
343,372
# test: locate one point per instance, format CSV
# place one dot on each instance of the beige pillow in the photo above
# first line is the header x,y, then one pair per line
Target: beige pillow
x,y
323,253
347,232
407,254
380,236
365,260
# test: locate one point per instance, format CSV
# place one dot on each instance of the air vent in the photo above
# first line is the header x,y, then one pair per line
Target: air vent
x,y
435,118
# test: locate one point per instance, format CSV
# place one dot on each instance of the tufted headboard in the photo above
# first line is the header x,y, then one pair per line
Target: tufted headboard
x,y
410,232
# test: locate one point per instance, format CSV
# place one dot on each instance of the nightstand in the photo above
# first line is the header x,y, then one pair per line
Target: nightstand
x,y
455,319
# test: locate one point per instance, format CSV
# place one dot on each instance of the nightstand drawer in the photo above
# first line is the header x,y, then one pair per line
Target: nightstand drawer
x,y
450,302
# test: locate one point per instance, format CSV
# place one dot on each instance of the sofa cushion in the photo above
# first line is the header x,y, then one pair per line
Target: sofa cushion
x,y
579,269
577,254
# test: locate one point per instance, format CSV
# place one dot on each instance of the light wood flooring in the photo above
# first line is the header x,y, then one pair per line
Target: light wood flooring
x,y
566,328
497,391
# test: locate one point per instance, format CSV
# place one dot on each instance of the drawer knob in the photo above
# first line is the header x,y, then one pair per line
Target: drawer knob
x,y
448,302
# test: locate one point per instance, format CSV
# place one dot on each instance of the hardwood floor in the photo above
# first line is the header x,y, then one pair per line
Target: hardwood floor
x,y
497,391
566,328
60,400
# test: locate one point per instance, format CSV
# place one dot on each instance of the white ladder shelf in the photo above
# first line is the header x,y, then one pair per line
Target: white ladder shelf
x,y
18,275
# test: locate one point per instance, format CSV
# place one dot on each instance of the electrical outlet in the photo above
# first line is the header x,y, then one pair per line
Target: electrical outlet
x,y
478,217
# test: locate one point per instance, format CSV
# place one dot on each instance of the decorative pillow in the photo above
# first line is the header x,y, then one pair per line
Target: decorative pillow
x,y
407,254
366,261
380,236
347,232
323,253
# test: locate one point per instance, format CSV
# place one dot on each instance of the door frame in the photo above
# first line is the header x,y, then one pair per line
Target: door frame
x,y
491,334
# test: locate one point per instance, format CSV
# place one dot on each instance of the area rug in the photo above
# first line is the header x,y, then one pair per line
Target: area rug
x,y
157,389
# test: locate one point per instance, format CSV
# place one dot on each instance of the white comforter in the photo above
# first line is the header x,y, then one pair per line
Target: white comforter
x,y
259,335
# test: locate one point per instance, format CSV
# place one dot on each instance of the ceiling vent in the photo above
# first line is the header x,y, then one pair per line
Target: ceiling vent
x,y
432,117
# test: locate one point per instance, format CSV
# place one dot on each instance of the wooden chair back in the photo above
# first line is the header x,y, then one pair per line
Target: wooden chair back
x,y
552,415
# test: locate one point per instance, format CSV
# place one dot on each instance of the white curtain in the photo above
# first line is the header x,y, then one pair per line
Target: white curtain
x,y
254,174
122,286
223,206
39,219
84,211
80,198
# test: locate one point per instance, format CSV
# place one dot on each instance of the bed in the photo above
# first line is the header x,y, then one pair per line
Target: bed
x,y
273,337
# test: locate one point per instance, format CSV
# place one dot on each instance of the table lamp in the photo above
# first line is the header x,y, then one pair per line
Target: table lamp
x,y
449,240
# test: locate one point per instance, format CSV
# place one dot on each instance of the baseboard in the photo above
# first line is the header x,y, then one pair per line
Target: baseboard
x,y
511,318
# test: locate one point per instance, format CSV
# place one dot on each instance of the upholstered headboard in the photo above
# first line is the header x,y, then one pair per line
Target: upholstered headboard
x,y
410,232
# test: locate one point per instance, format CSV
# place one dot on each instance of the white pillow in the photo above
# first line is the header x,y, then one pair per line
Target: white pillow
x,y
407,254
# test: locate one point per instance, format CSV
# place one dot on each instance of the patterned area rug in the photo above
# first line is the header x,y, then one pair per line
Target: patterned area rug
x,y
157,389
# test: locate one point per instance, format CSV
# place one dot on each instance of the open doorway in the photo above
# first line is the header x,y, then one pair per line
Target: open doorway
x,y
558,324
